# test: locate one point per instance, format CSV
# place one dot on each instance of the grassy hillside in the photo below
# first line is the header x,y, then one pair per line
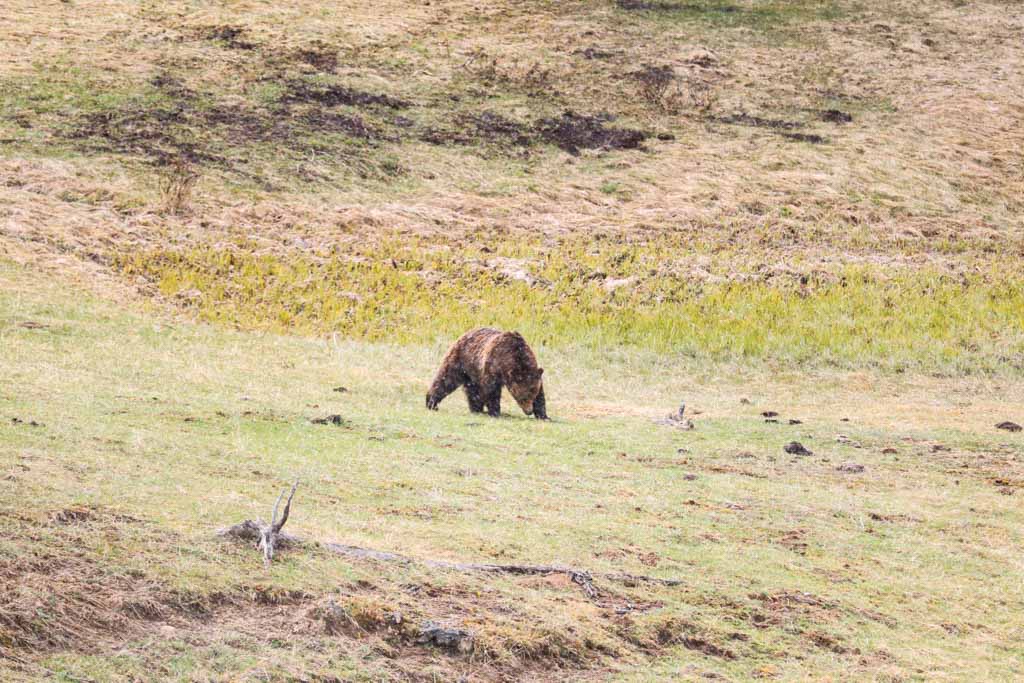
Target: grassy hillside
x,y
221,221
127,440
707,177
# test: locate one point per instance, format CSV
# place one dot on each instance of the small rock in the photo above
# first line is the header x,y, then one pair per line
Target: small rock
x,y
771,420
889,451
455,639
1009,426
690,477
939,448
851,467
745,401
769,413
340,390
796,422
796,448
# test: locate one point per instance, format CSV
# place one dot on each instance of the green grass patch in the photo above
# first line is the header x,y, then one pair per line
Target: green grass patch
x,y
604,296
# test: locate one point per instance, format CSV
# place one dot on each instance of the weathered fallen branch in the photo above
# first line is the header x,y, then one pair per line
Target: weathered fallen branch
x,y
258,530
267,536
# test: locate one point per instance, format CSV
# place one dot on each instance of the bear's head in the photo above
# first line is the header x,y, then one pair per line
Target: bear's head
x,y
524,385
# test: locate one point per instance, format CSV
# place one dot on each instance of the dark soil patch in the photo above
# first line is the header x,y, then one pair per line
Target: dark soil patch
x,y
226,35
496,127
805,137
675,632
483,128
72,515
654,81
188,130
827,642
836,116
334,95
333,122
153,133
1009,426
320,56
757,122
573,132
597,53
570,132
665,6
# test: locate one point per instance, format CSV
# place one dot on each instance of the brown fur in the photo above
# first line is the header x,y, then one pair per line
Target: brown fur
x,y
483,361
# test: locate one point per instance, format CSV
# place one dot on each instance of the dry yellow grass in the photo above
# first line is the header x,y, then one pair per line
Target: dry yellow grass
x,y
929,170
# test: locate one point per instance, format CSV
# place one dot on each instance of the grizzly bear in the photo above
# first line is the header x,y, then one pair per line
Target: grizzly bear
x,y
483,361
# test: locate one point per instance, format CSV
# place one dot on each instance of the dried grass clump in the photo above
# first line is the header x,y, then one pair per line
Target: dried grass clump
x,y
176,185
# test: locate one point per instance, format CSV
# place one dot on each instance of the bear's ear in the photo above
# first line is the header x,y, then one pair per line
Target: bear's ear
x,y
540,371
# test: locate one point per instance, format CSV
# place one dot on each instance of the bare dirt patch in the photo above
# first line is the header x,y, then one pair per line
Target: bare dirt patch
x,y
573,132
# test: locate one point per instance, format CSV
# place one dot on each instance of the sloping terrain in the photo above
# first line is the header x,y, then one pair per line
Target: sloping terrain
x,y
236,238
126,441
673,160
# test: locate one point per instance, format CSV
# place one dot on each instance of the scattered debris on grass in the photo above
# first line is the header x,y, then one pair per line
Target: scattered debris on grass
x,y
851,468
796,448
336,420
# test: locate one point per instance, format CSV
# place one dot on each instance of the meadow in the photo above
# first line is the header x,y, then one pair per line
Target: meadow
x,y
236,239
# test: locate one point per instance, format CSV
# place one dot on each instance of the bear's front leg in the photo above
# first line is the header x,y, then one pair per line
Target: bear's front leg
x,y
444,383
540,409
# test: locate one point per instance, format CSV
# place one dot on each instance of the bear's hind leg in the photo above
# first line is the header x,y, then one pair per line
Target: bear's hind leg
x,y
473,397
